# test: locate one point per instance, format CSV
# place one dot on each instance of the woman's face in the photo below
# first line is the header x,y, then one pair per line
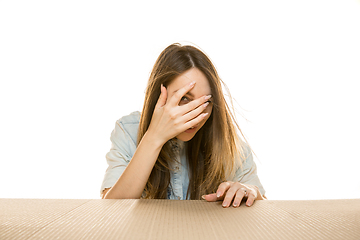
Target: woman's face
x,y
201,88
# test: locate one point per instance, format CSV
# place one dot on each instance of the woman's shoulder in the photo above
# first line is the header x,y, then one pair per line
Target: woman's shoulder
x,y
130,124
132,118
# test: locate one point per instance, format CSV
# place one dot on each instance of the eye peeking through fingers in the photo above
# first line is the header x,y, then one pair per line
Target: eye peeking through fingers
x,y
184,100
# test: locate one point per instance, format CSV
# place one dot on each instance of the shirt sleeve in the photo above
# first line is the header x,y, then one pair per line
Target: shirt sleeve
x,y
248,173
119,156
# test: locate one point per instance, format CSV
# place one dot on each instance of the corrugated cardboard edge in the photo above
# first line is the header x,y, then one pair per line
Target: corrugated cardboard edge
x,y
172,219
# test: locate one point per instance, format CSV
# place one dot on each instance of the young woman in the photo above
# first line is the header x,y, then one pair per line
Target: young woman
x,y
184,144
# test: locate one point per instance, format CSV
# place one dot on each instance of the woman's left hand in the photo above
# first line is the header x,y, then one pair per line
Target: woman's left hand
x,y
234,192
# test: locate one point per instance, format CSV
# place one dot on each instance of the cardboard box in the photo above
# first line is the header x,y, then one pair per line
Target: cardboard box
x,y
173,219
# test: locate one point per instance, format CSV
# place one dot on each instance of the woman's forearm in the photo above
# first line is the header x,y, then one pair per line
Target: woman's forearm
x,y
132,182
169,119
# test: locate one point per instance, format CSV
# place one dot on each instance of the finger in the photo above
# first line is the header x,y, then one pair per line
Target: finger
x,y
195,121
194,113
251,198
211,197
223,187
230,194
195,104
175,99
240,194
162,98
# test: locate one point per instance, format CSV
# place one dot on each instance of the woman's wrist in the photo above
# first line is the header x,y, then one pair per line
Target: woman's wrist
x,y
259,195
153,139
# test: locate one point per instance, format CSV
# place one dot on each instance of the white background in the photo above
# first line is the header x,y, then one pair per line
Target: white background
x,y
70,69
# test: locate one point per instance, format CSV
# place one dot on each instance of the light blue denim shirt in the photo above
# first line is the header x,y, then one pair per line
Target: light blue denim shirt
x,y
124,142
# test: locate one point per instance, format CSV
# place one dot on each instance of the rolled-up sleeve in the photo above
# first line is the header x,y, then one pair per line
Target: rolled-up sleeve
x,y
247,174
122,149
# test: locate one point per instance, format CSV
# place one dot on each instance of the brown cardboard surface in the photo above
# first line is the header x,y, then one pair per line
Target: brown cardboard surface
x,y
172,219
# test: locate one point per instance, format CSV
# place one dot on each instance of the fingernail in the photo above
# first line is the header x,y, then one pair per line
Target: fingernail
x,y
235,204
203,197
192,84
204,114
218,194
205,104
207,97
224,204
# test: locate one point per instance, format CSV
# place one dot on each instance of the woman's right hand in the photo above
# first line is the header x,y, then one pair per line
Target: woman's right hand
x,y
169,119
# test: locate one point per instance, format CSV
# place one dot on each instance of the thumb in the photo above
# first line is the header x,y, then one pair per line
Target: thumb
x,y
212,197
162,98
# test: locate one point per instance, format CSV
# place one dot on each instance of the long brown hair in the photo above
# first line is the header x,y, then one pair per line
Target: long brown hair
x,y
215,150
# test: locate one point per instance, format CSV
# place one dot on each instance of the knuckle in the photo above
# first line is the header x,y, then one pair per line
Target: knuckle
x,y
251,194
172,115
225,188
238,184
178,94
167,108
240,193
222,186
225,184
232,191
